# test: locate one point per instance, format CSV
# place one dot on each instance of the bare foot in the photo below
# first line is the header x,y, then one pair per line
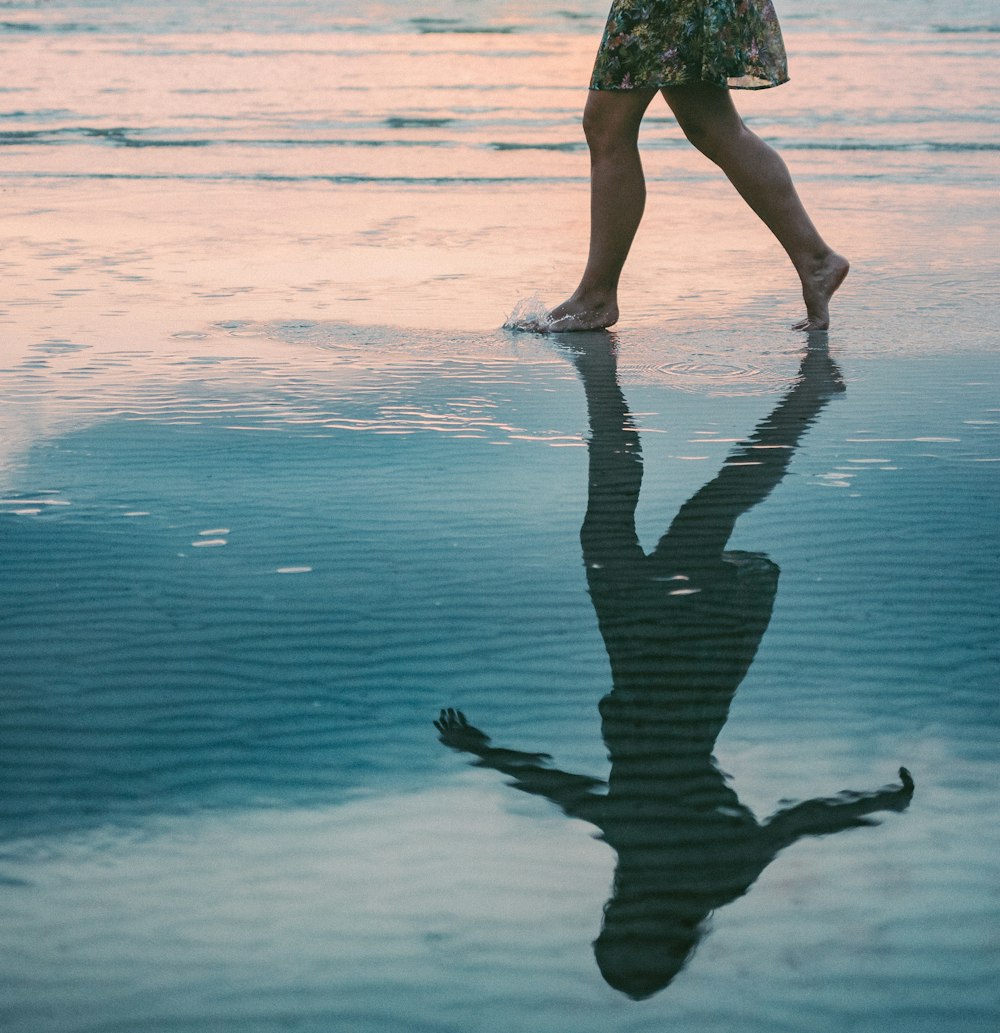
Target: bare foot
x,y
578,314
818,286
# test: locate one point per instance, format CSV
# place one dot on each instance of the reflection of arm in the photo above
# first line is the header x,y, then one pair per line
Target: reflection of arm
x,y
705,522
530,771
834,814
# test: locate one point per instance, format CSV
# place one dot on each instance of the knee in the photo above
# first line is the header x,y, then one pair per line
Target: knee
x,y
710,136
606,131
596,128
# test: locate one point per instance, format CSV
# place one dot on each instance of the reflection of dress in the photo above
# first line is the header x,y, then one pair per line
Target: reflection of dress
x,y
654,43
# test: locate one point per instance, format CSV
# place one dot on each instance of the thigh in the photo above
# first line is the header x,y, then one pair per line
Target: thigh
x,y
702,107
616,112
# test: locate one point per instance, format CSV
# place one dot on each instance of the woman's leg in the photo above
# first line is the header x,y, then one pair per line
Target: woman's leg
x,y
710,121
617,197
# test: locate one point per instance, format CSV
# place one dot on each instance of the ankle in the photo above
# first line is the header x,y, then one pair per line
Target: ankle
x,y
594,295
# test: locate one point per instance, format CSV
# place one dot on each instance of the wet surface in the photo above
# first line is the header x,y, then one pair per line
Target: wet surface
x,y
233,610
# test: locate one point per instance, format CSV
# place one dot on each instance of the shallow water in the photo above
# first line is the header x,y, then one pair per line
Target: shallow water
x,y
274,490
234,606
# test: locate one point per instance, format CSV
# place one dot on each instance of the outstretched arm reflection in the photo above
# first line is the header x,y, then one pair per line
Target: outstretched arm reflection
x,y
531,772
681,627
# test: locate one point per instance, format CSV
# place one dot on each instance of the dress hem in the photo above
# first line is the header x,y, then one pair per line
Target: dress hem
x,y
686,82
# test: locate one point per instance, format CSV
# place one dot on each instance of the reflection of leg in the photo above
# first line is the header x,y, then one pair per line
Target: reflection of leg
x,y
617,198
753,469
710,121
615,455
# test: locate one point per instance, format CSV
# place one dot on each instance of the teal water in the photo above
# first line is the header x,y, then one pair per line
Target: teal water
x,y
225,803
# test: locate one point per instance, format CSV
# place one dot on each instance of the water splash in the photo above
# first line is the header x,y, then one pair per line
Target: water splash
x,y
529,315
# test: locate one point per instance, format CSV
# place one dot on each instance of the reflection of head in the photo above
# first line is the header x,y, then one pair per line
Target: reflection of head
x,y
639,954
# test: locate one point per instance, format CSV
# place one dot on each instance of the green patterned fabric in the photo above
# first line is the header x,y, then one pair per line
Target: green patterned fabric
x,y
655,43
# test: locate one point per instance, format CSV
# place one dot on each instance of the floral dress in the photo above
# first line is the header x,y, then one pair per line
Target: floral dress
x,y
656,43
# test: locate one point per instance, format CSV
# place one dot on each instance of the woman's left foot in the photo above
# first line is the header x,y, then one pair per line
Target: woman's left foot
x,y
577,314
818,287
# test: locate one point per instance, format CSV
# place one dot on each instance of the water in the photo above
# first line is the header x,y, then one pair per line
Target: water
x,y
274,489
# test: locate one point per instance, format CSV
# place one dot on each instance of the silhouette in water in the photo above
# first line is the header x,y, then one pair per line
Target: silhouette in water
x,y
681,627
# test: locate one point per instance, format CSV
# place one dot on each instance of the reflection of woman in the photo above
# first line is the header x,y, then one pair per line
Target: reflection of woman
x,y
681,627
693,52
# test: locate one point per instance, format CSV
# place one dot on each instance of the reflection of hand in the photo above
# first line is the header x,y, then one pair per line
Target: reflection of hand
x,y
457,733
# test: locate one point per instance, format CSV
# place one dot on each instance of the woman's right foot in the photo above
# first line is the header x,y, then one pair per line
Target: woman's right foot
x,y
818,285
